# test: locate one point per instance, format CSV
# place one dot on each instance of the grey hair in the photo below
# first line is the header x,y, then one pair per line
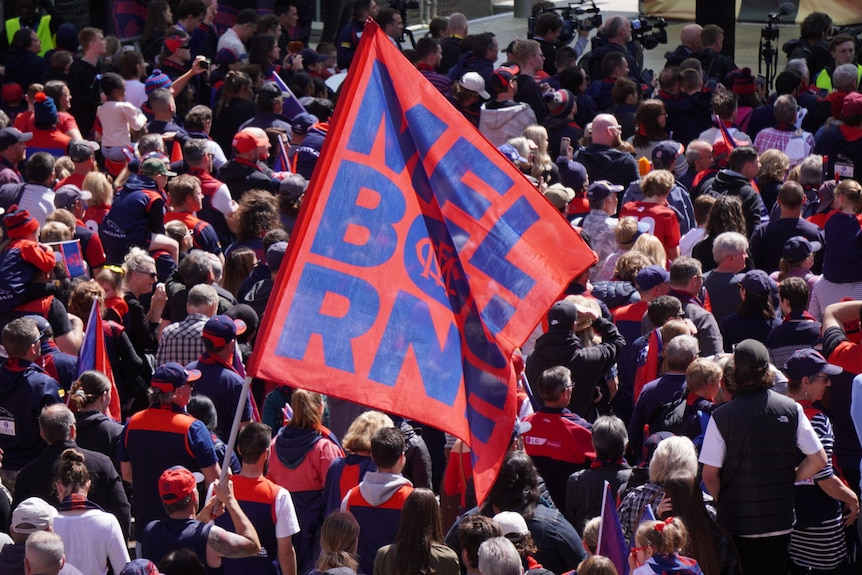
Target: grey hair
x,y
785,108
800,66
811,171
195,151
681,351
55,423
498,556
202,295
845,78
727,244
217,267
44,552
673,455
610,437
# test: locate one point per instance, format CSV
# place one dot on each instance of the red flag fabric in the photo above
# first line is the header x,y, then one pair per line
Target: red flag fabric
x,y
93,355
420,260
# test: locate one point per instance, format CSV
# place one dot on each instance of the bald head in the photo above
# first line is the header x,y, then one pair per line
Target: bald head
x,y
457,24
606,130
690,37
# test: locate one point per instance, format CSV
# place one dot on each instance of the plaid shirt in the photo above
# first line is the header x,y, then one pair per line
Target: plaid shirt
x,y
182,342
775,139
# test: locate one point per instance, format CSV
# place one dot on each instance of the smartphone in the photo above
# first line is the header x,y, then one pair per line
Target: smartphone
x,y
204,64
564,145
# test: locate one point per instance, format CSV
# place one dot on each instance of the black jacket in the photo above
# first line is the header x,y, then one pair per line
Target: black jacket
x,y
733,184
36,479
587,364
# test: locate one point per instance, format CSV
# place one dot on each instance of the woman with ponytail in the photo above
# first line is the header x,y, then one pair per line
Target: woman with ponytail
x,y
92,538
304,449
89,398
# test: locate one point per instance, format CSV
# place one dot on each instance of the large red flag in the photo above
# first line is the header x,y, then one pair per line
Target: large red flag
x,y
93,355
421,259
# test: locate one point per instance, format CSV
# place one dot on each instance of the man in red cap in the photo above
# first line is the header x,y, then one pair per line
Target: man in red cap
x,y
248,170
220,380
181,529
161,436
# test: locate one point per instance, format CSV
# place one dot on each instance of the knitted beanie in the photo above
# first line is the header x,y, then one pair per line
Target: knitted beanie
x,y
44,111
156,80
560,103
19,223
743,82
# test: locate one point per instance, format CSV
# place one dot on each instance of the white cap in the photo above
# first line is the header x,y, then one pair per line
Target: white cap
x,y
476,83
511,523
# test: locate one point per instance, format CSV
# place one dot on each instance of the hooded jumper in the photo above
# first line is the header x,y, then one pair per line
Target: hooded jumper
x,y
301,462
607,163
502,121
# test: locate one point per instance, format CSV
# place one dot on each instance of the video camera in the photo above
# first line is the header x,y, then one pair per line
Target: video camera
x,y
575,17
650,31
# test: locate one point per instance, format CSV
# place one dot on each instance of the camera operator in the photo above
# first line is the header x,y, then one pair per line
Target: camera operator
x,y
842,48
812,45
617,34
716,66
547,31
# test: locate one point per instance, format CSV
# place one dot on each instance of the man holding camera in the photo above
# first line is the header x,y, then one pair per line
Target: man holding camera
x,y
618,34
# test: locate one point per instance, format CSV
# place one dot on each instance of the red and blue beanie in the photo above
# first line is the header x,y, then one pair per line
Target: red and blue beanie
x,y
19,223
156,80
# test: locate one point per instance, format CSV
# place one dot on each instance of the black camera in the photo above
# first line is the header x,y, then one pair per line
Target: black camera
x,y
575,17
649,31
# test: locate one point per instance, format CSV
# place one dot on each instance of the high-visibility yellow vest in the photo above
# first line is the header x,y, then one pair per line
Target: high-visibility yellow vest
x,y
43,32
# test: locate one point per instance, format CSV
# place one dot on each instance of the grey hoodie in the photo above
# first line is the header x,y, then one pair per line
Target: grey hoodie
x,y
378,486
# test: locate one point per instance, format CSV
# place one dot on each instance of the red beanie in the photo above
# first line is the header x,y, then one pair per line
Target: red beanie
x,y
19,223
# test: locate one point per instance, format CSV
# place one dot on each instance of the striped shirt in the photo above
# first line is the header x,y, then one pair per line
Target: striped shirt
x,y
817,540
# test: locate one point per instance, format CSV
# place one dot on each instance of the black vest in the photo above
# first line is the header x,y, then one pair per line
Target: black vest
x,y
759,470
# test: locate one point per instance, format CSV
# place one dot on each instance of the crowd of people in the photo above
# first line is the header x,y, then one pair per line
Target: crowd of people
x,y
704,368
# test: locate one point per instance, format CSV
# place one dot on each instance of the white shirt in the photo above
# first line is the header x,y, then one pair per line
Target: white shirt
x,y
714,448
230,40
118,119
136,93
91,539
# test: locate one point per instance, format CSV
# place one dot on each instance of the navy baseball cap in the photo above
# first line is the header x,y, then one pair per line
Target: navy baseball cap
x,y
651,276
170,376
755,281
665,154
220,330
798,248
808,362
601,189
512,153
302,123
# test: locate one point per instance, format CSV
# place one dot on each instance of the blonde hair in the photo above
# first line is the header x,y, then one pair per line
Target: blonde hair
x,y
852,191
652,247
665,537
307,409
100,188
135,259
539,136
359,434
626,232
54,232
700,372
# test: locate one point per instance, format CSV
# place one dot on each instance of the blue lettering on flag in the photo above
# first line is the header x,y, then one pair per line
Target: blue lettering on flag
x,y
410,325
306,317
491,254
379,102
343,213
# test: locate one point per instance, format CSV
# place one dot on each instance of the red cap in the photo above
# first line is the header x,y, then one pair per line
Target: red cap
x,y
249,139
175,484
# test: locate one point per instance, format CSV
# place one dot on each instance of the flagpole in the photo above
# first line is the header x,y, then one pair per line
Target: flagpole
x,y
234,428
605,489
